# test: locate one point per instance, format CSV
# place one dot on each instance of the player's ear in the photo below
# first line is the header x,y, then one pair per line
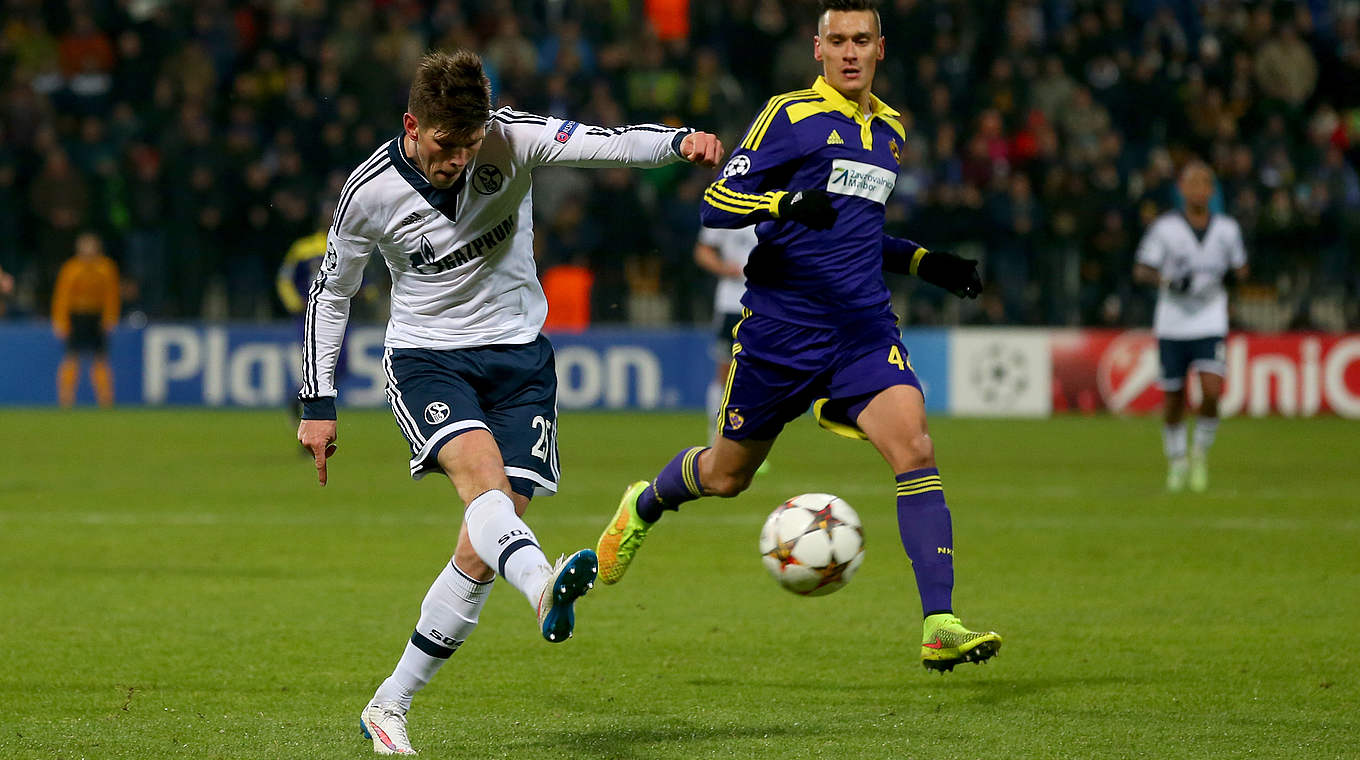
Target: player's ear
x,y
880,47
410,125
816,47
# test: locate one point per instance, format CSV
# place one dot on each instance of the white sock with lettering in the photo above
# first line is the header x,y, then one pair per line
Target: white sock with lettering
x,y
447,617
1173,441
505,542
1205,430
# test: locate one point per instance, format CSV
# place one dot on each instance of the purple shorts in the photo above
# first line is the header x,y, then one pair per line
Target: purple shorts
x,y
779,369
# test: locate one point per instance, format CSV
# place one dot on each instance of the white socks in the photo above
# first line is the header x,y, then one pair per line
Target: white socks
x,y
505,542
1205,430
447,617
1173,441
1174,438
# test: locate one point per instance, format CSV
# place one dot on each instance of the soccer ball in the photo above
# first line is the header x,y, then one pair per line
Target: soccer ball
x,y
812,544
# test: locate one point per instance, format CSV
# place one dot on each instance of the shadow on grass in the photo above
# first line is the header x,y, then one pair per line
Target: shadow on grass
x,y
996,690
624,742
976,684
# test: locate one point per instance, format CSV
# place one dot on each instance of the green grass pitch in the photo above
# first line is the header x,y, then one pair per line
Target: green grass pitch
x,y
175,584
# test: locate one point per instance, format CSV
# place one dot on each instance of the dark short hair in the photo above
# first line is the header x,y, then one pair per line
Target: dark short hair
x,y
450,92
851,5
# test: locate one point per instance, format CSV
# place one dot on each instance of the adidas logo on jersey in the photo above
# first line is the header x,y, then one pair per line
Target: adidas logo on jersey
x,y
834,138
411,218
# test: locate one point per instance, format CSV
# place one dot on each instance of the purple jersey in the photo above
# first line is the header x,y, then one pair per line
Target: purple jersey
x,y
813,138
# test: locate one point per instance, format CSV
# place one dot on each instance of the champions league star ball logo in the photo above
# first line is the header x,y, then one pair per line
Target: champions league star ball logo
x,y
436,413
999,375
737,166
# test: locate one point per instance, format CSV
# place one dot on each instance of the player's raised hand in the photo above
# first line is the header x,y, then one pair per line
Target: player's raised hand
x,y
702,148
953,273
318,437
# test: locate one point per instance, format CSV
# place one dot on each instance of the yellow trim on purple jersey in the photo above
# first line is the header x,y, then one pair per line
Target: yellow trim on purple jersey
x,y
772,108
798,274
916,260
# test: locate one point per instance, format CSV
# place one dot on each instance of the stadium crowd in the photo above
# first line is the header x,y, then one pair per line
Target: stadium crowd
x,y
201,139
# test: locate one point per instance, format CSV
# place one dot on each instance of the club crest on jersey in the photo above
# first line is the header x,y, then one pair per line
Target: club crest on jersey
x,y
737,166
734,419
564,131
892,146
487,179
436,412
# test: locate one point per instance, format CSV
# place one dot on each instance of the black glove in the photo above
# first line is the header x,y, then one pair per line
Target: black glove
x,y
808,207
953,273
1180,285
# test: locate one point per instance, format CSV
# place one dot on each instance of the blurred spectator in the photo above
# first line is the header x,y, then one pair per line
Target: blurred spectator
x,y
1286,70
58,200
623,246
1015,222
6,290
257,112
567,287
146,255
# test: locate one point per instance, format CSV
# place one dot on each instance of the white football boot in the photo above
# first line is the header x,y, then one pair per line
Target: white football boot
x,y
385,724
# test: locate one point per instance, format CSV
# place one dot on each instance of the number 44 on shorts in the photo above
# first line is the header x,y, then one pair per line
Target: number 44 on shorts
x,y
896,359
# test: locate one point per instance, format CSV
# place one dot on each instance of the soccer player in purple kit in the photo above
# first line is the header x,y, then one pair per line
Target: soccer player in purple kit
x,y
813,172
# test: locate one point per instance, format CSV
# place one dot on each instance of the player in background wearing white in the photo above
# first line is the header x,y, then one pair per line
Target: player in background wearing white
x,y
1191,257
723,253
470,378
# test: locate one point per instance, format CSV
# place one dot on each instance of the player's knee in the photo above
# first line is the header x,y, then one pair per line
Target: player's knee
x,y
1208,406
918,453
727,484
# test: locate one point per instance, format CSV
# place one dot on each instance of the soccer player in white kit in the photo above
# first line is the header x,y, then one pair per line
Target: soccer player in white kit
x,y
471,380
1191,256
723,253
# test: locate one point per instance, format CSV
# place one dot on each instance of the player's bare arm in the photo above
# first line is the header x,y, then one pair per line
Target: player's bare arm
x,y
1146,275
710,260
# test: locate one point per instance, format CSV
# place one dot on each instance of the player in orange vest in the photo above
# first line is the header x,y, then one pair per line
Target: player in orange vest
x,y
84,311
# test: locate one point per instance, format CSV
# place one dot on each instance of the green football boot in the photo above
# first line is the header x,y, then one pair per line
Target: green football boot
x,y
1176,472
946,643
620,541
1199,473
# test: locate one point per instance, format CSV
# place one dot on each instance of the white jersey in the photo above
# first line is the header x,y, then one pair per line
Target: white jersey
x,y
1175,251
462,259
734,246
